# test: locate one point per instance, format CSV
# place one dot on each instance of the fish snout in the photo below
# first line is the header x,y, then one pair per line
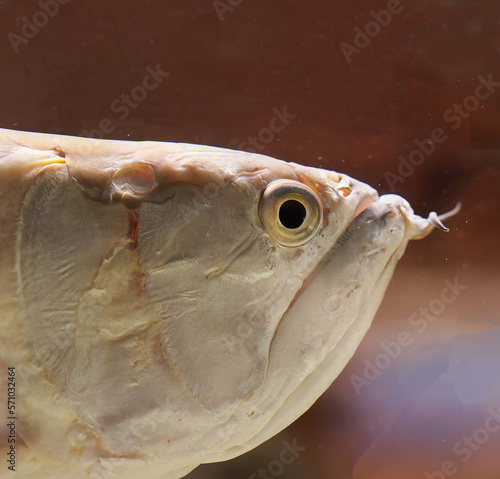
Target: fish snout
x,y
416,227
358,194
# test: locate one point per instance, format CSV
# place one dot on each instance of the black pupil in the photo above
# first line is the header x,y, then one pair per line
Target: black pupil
x,y
292,214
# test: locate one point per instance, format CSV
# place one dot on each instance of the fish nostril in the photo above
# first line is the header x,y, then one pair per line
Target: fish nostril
x,y
335,177
345,191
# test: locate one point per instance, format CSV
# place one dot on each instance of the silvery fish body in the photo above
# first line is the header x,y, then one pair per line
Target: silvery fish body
x,y
165,305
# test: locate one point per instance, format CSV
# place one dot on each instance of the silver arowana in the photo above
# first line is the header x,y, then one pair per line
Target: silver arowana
x,y
166,304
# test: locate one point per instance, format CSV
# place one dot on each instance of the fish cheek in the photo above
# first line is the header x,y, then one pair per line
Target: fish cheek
x,y
214,279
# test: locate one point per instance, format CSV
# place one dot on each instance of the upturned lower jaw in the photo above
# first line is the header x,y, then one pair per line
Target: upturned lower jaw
x,y
419,227
416,227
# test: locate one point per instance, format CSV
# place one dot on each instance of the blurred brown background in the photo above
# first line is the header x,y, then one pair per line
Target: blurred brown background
x,y
360,90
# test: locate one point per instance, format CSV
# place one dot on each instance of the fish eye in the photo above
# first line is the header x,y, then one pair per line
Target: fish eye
x,y
291,212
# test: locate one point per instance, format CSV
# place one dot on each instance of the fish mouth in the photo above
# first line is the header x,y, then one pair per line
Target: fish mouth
x,y
368,199
388,206
365,203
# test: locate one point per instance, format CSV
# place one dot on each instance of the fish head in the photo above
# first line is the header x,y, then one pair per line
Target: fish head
x,y
233,255
210,294
304,274
270,274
